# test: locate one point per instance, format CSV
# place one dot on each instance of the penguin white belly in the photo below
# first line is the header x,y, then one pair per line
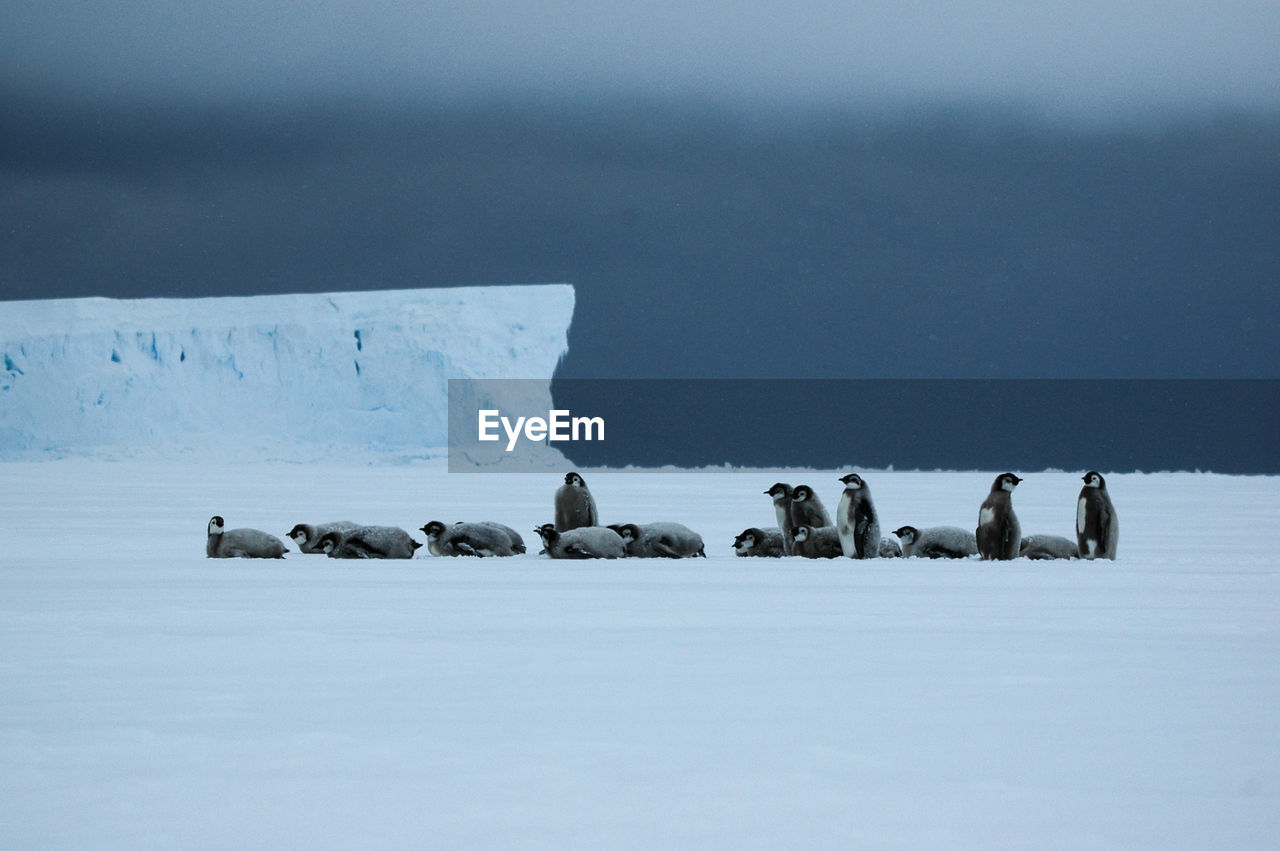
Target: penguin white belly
x,y
986,515
1082,509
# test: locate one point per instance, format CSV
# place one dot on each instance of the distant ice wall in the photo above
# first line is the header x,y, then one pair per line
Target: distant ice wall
x,y
272,376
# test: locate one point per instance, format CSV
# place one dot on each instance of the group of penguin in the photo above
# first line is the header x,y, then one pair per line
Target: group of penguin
x,y
804,529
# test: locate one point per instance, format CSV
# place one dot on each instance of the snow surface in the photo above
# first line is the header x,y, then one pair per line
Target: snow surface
x,y
156,698
285,376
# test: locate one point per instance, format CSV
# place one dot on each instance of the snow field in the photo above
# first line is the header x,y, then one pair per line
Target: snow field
x,y
153,697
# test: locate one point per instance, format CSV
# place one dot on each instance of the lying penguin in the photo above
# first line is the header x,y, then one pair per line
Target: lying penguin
x,y
471,539
369,542
1048,547
764,543
307,537
660,540
583,542
241,543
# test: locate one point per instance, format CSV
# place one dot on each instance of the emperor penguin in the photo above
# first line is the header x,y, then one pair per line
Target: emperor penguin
x,y
307,536
583,542
660,540
754,541
856,520
1041,547
781,493
937,542
821,542
369,542
1097,527
999,534
575,507
807,509
240,543
469,539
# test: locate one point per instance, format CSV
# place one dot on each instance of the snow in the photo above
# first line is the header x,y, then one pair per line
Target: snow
x,y
156,698
286,376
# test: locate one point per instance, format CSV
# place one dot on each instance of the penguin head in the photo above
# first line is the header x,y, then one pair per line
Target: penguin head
x,y
215,525
1005,482
852,481
574,480
779,490
433,530
548,534
298,534
907,534
329,543
628,532
745,540
801,493
800,533
1093,479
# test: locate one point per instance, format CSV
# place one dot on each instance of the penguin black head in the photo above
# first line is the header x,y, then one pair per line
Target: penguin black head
x,y
628,532
746,539
852,481
433,530
801,493
1005,482
800,533
907,533
574,480
1093,479
779,489
298,534
329,542
548,533
215,524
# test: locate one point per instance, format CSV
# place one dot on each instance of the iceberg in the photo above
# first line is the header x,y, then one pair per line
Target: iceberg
x,y
290,377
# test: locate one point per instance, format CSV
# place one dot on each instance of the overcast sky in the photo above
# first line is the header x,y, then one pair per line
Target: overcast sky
x,y
1059,57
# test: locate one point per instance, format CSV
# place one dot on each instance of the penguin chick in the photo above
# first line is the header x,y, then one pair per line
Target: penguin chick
x,y
240,543
807,509
369,542
781,493
856,520
583,542
1097,526
468,539
1047,547
517,542
822,542
307,537
998,534
766,543
890,548
937,542
575,507
660,540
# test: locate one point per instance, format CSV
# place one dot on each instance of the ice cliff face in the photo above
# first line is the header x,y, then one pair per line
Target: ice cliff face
x,y
271,376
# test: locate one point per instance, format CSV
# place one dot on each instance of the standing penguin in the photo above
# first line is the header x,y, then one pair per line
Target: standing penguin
x,y
856,520
807,509
781,493
1097,527
575,507
999,534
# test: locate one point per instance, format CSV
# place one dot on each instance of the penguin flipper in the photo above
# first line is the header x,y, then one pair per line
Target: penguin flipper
x,y
664,550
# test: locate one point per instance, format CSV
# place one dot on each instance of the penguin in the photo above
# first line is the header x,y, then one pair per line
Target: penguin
x,y
807,509
240,543
660,540
575,507
583,542
937,542
307,537
517,542
820,542
781,493
890,548
1097,526
469,539
1047,547
856,520
766,543
999,534
369,542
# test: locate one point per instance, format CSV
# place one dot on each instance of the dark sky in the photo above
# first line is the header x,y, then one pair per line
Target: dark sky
x,y
1078,189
